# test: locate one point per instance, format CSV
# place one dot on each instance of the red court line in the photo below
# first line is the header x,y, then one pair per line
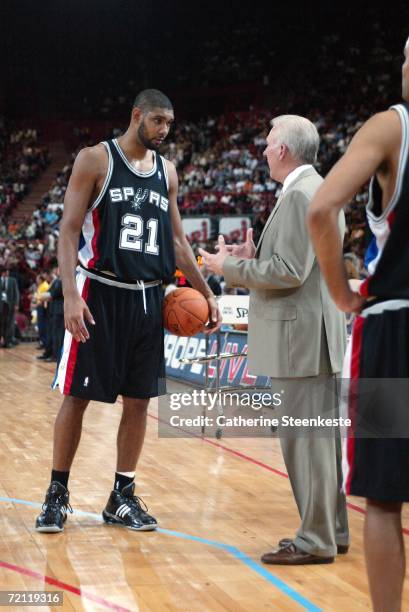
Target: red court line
x,y
246,457
226,448
63,585
255,461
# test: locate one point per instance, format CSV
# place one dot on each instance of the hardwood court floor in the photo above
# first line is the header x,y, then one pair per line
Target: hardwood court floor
x,y
232,493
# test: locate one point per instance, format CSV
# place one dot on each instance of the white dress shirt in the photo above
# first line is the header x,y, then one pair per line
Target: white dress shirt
x,y
293,175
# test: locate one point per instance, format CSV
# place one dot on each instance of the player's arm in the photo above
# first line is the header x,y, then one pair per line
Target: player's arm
x,y
78,196
185,259
370,148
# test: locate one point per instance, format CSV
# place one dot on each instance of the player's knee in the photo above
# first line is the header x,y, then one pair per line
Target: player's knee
x,y
133,405
78,404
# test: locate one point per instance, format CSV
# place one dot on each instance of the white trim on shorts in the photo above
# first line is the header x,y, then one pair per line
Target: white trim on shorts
x,y
137,285
344,410
380,307
59,380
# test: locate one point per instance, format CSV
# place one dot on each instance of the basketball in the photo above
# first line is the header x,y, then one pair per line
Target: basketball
x,y
185,312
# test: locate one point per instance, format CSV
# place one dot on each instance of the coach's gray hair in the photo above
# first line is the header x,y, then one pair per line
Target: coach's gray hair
x,y
300,136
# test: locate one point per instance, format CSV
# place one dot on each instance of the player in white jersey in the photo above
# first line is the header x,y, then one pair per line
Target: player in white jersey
x,y
377,464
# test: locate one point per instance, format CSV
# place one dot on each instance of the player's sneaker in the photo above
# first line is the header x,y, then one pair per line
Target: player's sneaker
x,y
55,506
124,508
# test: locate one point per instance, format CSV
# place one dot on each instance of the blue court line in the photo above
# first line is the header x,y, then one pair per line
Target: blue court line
x,y
235,552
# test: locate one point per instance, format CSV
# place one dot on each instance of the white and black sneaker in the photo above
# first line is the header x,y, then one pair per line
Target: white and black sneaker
x,y
124,508
54,511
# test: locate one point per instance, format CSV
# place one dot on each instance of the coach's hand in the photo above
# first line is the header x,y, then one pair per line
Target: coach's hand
x,y
214,263
215,318
76,312
247,250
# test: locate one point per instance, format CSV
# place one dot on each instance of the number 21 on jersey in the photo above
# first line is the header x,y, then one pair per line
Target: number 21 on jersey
x,y
131,236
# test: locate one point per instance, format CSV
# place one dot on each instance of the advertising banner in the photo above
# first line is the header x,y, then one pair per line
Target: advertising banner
x,y
234,229
233,372
197,230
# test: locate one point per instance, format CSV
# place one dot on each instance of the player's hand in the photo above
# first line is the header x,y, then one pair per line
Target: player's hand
x,y
215,318
76,312
352,302
247,250
354,284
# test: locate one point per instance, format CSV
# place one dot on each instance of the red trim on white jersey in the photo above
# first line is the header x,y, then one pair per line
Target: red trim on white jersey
x,y
351,367
363,288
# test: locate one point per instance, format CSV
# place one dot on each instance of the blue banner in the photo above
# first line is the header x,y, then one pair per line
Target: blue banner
x,y
233,372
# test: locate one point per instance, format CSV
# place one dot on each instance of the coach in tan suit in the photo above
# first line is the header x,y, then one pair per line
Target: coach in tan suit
x,y
297,337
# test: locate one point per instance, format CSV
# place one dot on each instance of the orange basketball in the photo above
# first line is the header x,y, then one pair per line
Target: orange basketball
x,y
185,312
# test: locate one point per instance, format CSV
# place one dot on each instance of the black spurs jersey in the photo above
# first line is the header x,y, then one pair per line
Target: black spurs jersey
x,y
127,230
389,271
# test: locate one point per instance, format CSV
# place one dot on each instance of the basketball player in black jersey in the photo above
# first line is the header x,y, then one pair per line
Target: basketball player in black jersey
x,y
377,468
122,224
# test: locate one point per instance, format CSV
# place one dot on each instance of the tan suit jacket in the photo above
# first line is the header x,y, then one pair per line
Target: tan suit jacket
x,y
291,314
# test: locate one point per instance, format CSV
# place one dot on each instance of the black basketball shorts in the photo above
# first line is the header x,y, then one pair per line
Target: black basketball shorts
x,y
376,457
125,352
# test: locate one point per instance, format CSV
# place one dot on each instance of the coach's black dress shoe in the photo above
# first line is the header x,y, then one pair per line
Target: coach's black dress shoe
x,y
342,549
291,555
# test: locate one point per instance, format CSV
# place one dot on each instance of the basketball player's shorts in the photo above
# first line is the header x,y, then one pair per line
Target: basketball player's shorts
x,y
124,354
376,449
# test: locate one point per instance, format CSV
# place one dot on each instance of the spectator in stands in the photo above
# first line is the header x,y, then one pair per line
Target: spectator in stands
x,y
55,318
33,255
56,314
9,299
41,309
22,324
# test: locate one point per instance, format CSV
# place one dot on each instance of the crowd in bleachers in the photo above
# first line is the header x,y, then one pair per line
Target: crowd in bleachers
x,y
22,159
219,157
221,170
28,245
